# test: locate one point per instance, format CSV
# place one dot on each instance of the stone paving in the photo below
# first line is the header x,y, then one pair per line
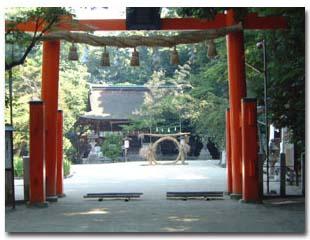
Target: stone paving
x,y
153,212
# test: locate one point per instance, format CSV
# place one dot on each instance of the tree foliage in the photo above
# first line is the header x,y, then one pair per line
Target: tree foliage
x,y
19,43
286,67
112,146
286,72
120,71
73,91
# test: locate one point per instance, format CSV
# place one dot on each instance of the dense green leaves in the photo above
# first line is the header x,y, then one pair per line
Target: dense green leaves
x,y
112,146
286,68
286,72
73,92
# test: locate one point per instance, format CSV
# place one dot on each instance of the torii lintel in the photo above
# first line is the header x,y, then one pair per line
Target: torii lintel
x,y
251,22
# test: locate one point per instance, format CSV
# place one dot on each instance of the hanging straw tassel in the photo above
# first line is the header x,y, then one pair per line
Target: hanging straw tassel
x,y
211,49
73,55
174,57
135,58
105,58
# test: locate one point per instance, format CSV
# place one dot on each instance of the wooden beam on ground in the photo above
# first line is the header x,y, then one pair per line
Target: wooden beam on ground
x,y
126,196
195,195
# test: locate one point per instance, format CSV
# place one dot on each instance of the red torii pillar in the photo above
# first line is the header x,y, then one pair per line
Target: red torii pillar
x,y
59,172
228,153
37,155
237,90
50,79
250,165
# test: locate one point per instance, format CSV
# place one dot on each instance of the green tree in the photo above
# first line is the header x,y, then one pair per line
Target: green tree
x,y
286,67
210,91
26,87
73,92
112,146
120,71
166,104
18,43
286,72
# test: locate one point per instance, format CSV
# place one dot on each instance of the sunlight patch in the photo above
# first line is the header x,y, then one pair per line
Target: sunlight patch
x,y
95,211
175,229
183,219
190,177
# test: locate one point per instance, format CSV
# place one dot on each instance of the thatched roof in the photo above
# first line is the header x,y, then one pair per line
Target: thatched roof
x,y
114,102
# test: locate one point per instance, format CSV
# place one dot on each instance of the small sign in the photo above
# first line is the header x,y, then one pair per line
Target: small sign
x,y
126,144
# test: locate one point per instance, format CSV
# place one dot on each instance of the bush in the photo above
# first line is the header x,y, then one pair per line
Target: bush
x,y
18,166
112,146
66,167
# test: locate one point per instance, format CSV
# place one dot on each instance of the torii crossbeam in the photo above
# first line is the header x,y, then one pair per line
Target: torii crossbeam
x,y
251,21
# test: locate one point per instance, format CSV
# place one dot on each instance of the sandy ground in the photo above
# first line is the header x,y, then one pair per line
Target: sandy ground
x,y
153,180
153,212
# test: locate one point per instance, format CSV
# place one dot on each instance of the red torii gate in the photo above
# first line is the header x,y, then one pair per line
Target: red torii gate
x,y
236,161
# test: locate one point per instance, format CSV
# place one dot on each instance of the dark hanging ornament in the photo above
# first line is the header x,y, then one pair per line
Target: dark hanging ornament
x,y
73,55
135,58
174,57
105,58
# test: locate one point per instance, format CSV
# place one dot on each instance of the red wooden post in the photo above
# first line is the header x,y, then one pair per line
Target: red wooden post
x,y
237,90
250,175
59,180
50,77
228,153
37,155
